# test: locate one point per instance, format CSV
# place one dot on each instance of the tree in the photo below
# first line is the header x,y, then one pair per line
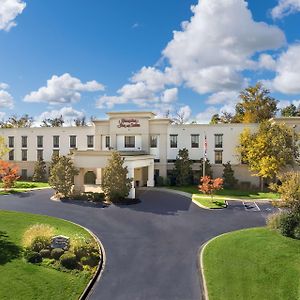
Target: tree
x,y
183,168
79,122
116,186
208,169
209,186
8,174
228,175
39,173
268,150
55,122
215,119
290,111
62,175
3,148
289,189
14,121
256,105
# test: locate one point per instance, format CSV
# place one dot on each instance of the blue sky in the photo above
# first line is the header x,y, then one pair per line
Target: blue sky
x,y
123,55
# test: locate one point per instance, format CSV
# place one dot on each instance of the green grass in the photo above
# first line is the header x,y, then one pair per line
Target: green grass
x,y
256,264
22,280
207,202
23,186
229,193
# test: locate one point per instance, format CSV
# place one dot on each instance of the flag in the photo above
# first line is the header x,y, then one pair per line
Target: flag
x,y
205,148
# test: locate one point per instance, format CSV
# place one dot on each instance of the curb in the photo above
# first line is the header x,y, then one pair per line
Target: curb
x,y
204,207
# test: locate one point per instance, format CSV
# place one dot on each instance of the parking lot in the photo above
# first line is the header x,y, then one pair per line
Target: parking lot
x,y
252,206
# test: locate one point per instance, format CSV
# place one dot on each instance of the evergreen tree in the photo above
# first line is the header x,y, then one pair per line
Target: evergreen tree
x,y
62,175
228,175
183,168
208,170
116,185
39,173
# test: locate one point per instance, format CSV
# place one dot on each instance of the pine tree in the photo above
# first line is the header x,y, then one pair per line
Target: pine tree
x,y
39,173
116,186
228,175
183,168
62,175
208,170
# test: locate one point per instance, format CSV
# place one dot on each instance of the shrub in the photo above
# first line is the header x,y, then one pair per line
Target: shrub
x,y
84,248
37,230
56,253
159,181
288,222
297,232
92,260
273,221
32,256
39,243
45,253
68,260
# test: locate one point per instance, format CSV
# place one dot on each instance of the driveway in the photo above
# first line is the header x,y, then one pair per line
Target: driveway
x,y
151,247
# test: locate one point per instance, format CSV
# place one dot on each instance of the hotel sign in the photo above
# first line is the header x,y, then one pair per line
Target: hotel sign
x,y
127,123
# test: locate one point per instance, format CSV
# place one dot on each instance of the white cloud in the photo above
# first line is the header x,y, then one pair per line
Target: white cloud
x,y
267,62
223,97
6,99
9,10
285,8
4,86
63,89
204,117
287,79
185,112
2,115
169,95
217,43
68,113
110,101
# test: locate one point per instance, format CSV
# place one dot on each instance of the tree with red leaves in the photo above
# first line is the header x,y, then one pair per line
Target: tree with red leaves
x,y
8,174
209,186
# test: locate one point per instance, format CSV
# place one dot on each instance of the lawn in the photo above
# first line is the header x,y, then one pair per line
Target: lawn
x,y
23,186
229,193
22,280
207,202
253,264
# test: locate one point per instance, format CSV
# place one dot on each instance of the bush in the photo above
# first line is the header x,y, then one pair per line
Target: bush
x,y
45,253
288,222
273,221
56,253
68,260
297,232
92,260
33,256
39,243
159,181
37,230
84,248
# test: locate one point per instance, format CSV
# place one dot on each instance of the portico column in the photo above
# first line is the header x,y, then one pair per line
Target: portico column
x,y
99,176
150,181
132,190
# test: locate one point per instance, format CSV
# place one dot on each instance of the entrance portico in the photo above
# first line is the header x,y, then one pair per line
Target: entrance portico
x,y
91,163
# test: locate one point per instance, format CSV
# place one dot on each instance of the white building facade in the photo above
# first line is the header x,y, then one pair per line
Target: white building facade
x,y
148,144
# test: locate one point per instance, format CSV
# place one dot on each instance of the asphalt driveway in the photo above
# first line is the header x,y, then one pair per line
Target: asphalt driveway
x,y
151,247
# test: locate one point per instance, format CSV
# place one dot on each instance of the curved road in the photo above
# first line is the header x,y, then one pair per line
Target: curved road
x,y
151,247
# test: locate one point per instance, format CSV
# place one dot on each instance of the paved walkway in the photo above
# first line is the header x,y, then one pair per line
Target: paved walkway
x,y
151,247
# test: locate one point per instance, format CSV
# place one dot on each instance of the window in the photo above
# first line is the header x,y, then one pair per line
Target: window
x,y
89,178
39,155
24,141
39,141
90,141
56,141
24,173
218,140
129,141
11,155
153,141
11,141
218,157
55,153
173,141
107,142
24,155
72,141
195,140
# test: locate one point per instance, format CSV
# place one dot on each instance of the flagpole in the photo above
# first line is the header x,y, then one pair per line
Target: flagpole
x,y
205,150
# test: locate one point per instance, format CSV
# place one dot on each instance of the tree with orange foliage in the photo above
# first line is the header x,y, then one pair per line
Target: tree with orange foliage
x,y
8,174
209,185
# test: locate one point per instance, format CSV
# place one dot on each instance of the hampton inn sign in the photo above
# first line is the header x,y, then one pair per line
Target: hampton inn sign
x,y
126,123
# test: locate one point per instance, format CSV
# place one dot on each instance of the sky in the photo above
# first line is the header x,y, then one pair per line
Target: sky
x,y
85,58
